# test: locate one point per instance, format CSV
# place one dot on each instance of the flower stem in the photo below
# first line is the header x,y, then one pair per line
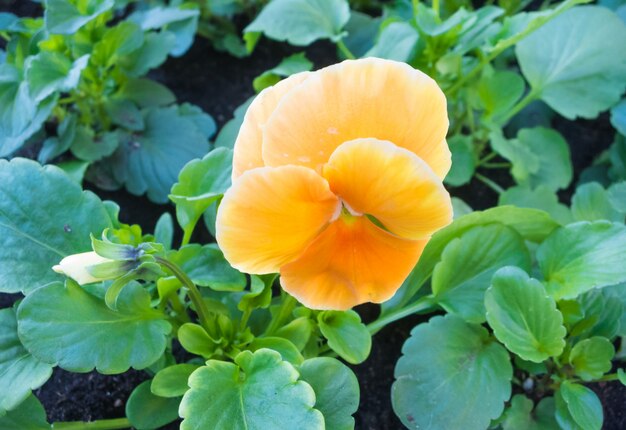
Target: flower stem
x,y
345,51
112,424
285,310
422,304
194,293
491,184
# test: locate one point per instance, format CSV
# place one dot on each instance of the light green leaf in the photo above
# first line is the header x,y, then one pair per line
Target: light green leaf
x,y
259,391
284,347
201,183
146,411
293,64
577,407
151,160
591,202
75,169
459,381
541,198
523,317
301,22
172,381
336,391
460,208
540,156
48,72
297,332
346,335
164,230
617,196
499,91
592,357
581,257
67,16
398,41
534,225
195,339
84,338
41,225
182,22
618,116
463,160
576,63
29,415
123,39
150,55
467,264
521,416
20,372
621,375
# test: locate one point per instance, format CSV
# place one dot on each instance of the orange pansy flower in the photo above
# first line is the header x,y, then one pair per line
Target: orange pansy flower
x,y
337,182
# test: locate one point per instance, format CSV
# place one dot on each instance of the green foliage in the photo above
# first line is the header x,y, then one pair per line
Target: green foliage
x,y
29,415
346,335
577,407
522,416
461,382
146,410
293,64
591,358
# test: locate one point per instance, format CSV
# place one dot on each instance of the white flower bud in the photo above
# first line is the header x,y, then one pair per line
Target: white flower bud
x,y
75,266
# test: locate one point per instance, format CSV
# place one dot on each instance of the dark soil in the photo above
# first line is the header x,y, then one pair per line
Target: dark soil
x,y
219,83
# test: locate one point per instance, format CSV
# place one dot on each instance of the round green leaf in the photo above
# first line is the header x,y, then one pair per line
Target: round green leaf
x,y
592,357
583,256
301,22
463,161
41,225
577,62
66,325
146,411
523,317
259,391
29,415
521,416
346,335
172,381
336,391
577,407
591,202
467,264
20,372
451,376
285,348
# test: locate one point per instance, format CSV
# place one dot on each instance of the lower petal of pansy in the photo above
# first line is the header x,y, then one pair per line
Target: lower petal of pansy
x,y
270,215
392,184
351,262
248,154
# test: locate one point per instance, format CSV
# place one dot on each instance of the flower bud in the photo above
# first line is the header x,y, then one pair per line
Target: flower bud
x,y
77,267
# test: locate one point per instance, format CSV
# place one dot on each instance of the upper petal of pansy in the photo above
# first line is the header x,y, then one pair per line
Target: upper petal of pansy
x,y
270,215
392,184
247,148
371,97
351,262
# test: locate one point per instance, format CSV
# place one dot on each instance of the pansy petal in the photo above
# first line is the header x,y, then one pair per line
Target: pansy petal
x,y
270,215
247,148
350,263
392,184
371,97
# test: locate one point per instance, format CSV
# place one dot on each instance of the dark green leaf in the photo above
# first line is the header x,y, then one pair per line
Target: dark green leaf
x,y
147,411
85,338
521,416
146,93
578,405
451,376
124,113
172,381
29,415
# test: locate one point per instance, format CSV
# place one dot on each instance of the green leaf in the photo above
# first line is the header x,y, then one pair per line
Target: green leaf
x,y
592,357
297,332
68,16
499,91
84,338
336,391
602,310
207,267
284,347
293,64
301,22
164,230
581,257
89,147
576,63
346,335
48,72
460,208
29,415
124,113
540,156
617,196
618,116
541,198
621,375
591,202
523,317
20,372
463,161
75,169
362,30
459,381
146,93
201,183
147,411
521,416
467,264
258,391
150,161
195,339
577,407
397,41
150,55
123,39
51,221
533,225
260,295
182,22
228,134
172,381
